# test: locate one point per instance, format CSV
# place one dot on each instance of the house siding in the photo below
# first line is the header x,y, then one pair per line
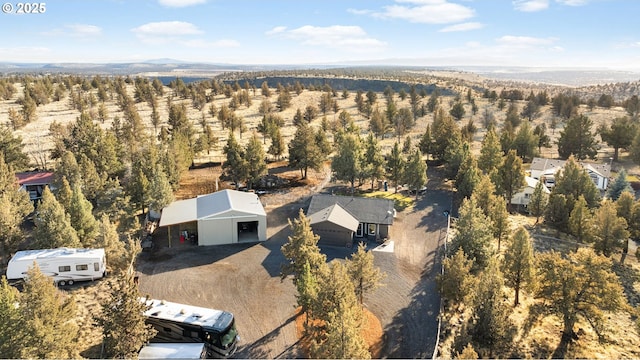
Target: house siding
x,y
332,234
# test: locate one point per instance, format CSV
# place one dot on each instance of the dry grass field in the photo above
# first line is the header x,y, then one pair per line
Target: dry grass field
x,y
623,341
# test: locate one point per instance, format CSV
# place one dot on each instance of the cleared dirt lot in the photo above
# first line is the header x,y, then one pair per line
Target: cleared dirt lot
x,y
244,279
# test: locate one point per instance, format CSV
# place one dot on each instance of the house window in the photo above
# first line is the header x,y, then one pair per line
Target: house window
x,y
527,195
359,231
64,268
96,266
82,267
371,229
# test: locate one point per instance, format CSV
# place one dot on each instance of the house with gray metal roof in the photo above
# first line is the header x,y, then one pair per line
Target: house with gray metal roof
x,y
542,168
222,217
339,220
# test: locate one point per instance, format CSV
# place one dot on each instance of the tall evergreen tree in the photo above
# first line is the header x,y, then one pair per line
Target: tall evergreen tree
x,y
456,282
277,146
45,314
254,157
574,181
415,173
579,286
10,327
517,265
557,212
373,160
122,320
538,201
81,217
160,191
52,225
526,142
490,326
445,134
364,275
581,222
303,151
577,139
395,166
620,185
473,234
346,164
510,176
14,206
610,229
235,166
426,142
468,177
619,134
307,287
301,248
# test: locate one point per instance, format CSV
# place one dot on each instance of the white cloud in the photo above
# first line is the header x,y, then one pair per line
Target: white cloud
x,y
166,28
359,11
84,30
531,5
462,27
350,38
427,12
524,41
180,3
276,30
573,2
222,43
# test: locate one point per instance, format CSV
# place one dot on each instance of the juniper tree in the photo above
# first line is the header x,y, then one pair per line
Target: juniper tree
x,y
303,151
347,162
395,166
415,173
610,229
235,166
10,326
254,157
456,282
44,317
301,248
81,217
473,234
581,222
620,185
373,160
52,225
538,201
363,273
517,264
122,319
578,286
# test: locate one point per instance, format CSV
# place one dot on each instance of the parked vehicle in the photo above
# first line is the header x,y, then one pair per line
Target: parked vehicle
x,y
173,351
188,324
64,265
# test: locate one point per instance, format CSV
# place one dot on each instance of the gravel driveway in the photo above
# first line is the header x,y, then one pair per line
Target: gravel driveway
x,y
244,279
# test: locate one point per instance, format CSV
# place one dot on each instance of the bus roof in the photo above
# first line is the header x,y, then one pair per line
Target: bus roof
x,y
217,320
31,255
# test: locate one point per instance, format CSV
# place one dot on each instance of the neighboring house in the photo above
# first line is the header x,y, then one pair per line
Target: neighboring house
x,y
374,218
523,196
34,183
223,217
547,168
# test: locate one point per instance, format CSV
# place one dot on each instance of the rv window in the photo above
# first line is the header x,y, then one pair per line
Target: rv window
x,y
82,267
64,268
96,266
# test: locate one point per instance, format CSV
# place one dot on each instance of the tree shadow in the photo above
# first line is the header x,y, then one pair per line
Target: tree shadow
x,y
259,349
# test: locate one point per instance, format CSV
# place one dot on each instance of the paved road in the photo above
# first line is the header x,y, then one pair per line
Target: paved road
x,y
244,279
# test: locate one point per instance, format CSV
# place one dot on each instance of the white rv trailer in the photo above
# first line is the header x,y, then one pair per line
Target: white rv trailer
x,y
173,351
185,323
64,265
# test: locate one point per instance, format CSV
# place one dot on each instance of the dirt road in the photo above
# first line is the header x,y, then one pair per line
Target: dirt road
x,y
244,279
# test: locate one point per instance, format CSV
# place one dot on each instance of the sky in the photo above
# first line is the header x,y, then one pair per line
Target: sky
x,y
530,33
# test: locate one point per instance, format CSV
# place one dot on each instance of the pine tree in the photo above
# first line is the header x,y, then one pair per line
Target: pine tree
x,y
123,324
581,222
307,287
160,191
346,164
10,327
81,217
364,275
235,166
395,166
577,139
338,308
620,185
579,286
254,157
490,326
473,234
415,173
52,225
373,160
456,283
610,229
277,146
64,194
538,201
510,175
303,151
468,177
45,314
301,248
557,212
517,265
426,142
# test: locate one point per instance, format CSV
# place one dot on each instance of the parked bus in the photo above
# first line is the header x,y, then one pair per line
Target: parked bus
x,y
185,323
64,265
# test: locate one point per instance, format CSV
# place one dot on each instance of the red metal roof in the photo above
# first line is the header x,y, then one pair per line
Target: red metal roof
x,y
35,178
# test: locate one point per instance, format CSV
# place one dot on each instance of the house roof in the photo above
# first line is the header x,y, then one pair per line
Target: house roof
x,y
35,178
542,164
210,205
365,210
531,182
335,214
